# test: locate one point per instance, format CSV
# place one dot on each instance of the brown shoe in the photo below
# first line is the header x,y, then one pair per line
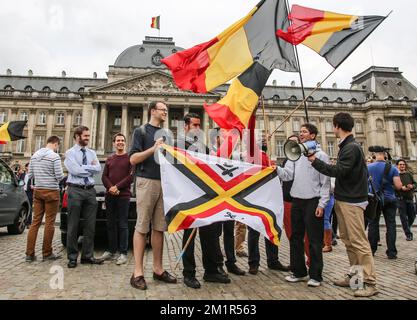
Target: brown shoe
x,y
138,282
241,253
345,282
253,270
165,277
367,291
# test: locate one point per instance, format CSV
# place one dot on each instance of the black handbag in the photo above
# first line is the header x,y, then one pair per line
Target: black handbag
x,y
376,198
375,201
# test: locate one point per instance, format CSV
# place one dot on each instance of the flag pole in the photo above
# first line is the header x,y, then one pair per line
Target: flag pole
x,y
299,71
185,248
301,103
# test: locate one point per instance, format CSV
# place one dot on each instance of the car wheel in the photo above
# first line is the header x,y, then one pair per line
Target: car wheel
x,y
19,224
64,239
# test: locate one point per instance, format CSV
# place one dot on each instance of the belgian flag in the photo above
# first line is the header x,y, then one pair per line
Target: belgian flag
x,y
156,23
234,111
251,39
334,36
12,131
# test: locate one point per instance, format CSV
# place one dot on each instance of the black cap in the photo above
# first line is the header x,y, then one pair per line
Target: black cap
x,y
378,149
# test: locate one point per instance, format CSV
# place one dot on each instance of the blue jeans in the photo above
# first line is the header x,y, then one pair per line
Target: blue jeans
x,y
407,215
117,224
328,213
389,211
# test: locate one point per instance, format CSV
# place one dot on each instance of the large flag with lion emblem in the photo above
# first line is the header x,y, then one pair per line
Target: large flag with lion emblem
x,y
200,189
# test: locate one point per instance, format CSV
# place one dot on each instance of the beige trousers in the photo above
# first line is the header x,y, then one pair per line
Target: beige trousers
x,y
351,223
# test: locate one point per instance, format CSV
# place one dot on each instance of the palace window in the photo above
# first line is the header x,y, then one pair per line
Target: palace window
x,y
260,124
3,117
358,126
325,99
39,142
20,146
28,88
78,119
330,149
64,89
296,125
379,124
396,125
117,120
46,89
8,88
24,116
398,149
412,126
137,121
329,126
60,118
42,118
280,149
174,121
278,123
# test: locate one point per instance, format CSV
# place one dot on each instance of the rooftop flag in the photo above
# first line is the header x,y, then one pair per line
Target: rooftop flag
x,y
207,65
156,23
12,131
332,35
199,190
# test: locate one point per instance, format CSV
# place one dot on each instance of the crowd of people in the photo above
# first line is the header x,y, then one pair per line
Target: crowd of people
x,y
319,194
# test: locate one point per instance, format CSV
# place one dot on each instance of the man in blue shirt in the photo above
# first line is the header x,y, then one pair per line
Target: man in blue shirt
x,y
388,182
82,164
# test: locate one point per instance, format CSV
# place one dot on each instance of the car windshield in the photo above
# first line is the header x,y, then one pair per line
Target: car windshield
x,y
97,177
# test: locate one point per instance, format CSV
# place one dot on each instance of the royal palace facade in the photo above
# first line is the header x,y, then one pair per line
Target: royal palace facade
x,y
380,99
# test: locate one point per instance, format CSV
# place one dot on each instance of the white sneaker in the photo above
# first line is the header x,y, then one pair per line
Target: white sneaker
x,y
107,256
313,283
121,260
292,278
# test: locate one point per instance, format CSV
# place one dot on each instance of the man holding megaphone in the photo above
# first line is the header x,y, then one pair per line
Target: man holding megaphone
x,y
311,193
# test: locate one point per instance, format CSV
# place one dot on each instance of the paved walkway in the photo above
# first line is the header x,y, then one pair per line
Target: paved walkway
x,y
20,280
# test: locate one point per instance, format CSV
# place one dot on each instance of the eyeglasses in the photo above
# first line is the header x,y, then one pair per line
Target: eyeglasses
x,y
163,110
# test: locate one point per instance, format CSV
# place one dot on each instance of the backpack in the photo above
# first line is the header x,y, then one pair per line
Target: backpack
x,y
376,198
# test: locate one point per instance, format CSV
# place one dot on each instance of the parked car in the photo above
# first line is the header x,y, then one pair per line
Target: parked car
x,y
14,204
101,211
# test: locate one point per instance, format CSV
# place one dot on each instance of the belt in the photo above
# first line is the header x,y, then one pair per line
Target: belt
x,y
81,186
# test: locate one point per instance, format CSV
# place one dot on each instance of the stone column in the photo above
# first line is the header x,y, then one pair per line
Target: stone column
x,y
31,138
145,115
390,135
323,134
93,126
103,129
408,142
125,121
49,123
68,126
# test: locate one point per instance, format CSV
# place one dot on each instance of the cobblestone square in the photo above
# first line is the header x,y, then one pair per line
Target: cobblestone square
x,y
19,280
